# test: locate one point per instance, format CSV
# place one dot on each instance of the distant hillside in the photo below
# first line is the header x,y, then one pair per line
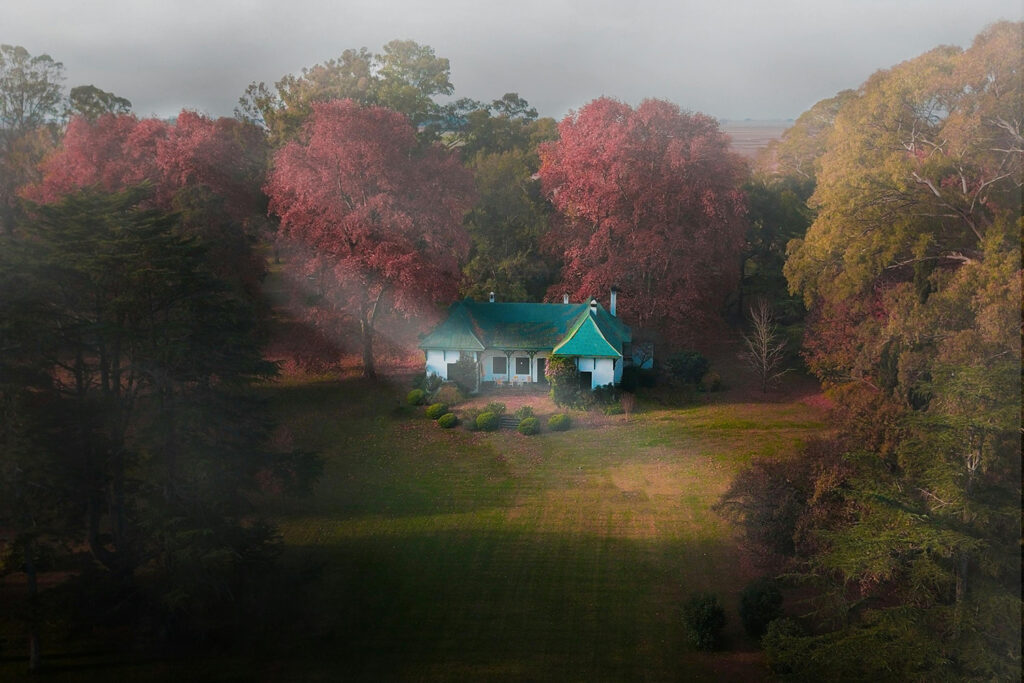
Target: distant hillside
x,y
751,136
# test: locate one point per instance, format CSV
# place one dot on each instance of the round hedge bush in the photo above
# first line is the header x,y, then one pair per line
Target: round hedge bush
x,y
487,422
436,410
448,420
529,426
559,422
415,397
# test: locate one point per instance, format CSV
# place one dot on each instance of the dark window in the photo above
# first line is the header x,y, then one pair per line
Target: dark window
x,y
522,366
500,365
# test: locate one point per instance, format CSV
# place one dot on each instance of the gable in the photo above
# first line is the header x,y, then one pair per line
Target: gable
x,y
568,329
586,338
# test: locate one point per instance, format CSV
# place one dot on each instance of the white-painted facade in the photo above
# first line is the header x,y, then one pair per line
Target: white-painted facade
x,y
438,360
603,370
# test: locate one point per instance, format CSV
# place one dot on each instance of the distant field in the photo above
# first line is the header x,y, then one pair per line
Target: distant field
x,y
750,137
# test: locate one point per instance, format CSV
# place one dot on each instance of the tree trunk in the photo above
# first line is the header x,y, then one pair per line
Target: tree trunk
x,y
34,651
366,330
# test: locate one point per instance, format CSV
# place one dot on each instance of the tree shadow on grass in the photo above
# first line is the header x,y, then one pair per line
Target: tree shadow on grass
x,y
504,605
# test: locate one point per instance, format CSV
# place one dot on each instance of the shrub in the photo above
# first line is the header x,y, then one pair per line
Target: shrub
x,y
712,381
705,618
426,383
783,646
760,604
523,413
564,378
606,395
487,422
469,418
436,410
559,422
416,397
496,408
464,373
448,420
529,426
613,409
687,366
449,393
433,383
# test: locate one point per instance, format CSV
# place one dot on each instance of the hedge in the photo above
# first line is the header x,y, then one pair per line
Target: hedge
x,y
436,410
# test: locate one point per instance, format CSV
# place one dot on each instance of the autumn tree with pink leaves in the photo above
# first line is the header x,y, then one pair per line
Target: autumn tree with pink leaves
x,y
649,201
208,171
375,218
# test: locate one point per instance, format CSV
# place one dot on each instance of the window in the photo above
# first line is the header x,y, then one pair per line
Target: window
x,y
522,366
499,366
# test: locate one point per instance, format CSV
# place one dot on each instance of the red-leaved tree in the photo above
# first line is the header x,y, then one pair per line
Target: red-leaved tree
x,y
376,219
210,171
649,201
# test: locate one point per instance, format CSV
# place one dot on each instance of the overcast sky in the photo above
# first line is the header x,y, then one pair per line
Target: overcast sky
x,y
734,59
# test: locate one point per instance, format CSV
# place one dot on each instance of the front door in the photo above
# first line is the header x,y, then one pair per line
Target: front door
x,y
542,364
586,381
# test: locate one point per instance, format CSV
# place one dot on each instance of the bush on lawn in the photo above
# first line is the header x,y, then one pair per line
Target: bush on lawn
x,y
487,422
705,618
469,416
449,393
559,422
416,397
523,413
448,420
760,604
436,410
496,408
529,426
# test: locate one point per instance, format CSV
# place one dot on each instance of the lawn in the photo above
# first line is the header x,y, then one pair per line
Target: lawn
x,y
450,555
444,555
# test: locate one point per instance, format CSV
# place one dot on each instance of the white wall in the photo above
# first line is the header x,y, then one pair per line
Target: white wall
x,y
603,370
488,367
437,362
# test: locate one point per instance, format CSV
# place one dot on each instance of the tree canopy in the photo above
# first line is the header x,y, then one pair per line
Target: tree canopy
x,y
376,220
649,200
405,77
912,273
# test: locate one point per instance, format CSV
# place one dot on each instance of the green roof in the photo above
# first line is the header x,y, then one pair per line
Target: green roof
x,y
564,329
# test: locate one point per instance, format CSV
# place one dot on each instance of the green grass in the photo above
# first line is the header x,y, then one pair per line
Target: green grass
x,y
449,555
444,555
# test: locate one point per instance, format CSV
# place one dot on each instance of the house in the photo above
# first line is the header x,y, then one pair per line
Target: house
x,y
511,342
